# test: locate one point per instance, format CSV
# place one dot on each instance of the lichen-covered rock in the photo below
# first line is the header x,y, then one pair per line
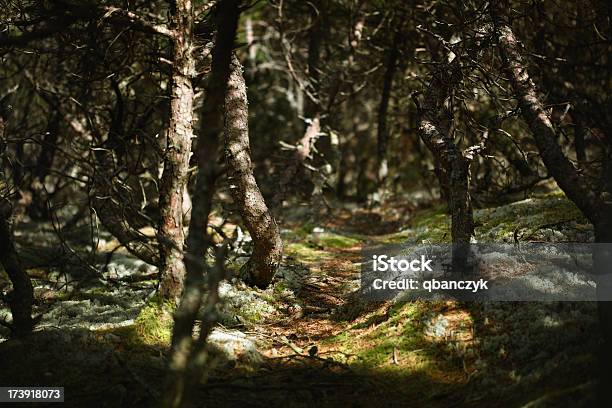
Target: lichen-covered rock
x,y
95,309
550,218
234,348
241,304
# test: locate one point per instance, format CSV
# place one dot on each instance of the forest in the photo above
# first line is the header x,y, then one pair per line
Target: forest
x,y
202,201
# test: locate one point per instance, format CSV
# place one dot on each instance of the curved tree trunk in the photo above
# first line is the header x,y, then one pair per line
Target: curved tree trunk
x,y
180,133
22,296
573,184
532,110
268,246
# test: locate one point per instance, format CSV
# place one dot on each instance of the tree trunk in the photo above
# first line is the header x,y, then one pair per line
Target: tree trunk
x,y
435,132
532,111
22,296
268,246
186,359
176,163
315,41
295,167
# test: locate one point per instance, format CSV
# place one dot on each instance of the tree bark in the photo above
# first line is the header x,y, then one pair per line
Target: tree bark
x,y
176,163
186,358
22,296
532,111
295,167
268,246
434,130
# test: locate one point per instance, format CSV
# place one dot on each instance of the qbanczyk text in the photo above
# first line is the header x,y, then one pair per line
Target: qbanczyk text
x,y
430,284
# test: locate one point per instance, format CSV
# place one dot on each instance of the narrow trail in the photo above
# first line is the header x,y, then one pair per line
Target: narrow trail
x,y
332,348
323,295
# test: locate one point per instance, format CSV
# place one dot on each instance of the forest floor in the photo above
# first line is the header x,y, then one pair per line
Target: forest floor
x,y
310,339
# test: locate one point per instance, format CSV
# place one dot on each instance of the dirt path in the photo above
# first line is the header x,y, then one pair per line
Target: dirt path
x,y
331,348
323,294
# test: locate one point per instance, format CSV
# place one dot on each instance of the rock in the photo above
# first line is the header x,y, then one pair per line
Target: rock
x,y
437,327
242,304
235,347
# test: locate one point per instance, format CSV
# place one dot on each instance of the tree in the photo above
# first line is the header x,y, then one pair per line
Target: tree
x,y
434,129
177,155
268,246
22,296
383,126
188,358
593,204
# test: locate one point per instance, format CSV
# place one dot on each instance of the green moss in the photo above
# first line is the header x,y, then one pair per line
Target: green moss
x,y
431,225
250,315
332,240
280,287
305,252
400,329
495,224
154,322
526,216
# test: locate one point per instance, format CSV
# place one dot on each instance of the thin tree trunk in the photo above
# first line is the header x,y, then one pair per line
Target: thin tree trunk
x,y
434,130
540,125
186,359
268,246
22,296
295,167
315,41
176,163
